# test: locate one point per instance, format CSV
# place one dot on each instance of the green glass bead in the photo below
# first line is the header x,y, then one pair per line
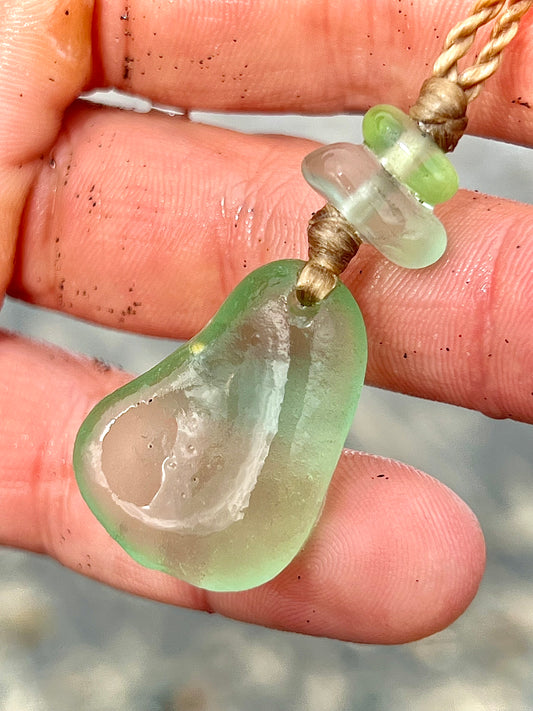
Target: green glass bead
x,y
213,466
410,155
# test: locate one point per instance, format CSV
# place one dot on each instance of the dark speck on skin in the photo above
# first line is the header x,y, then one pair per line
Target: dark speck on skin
x,y
520,102
101,365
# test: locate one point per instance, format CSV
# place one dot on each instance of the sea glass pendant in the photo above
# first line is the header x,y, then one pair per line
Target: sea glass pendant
x,y
213,466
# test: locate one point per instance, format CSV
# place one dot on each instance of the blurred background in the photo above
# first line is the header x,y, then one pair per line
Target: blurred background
x,y
67,642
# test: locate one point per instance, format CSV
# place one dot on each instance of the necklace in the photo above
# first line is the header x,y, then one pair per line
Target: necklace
x,y
213,466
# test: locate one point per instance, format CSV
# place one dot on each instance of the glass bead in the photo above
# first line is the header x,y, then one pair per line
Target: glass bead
x,y
410,155
213,466
384,213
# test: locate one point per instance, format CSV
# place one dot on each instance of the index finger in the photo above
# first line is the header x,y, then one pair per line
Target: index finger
x,y
395,555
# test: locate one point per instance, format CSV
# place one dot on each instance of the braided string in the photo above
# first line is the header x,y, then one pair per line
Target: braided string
x,y
461,38
440,109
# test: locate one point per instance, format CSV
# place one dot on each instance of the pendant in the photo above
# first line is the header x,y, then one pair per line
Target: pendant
x,y
213,466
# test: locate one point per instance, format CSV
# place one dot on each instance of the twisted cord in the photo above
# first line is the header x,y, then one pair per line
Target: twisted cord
x,y
461,37
440,109
490,57
333,241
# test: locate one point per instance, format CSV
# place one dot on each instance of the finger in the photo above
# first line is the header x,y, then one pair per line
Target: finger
x,y
147,223
458,331
44,64
296,55
395,556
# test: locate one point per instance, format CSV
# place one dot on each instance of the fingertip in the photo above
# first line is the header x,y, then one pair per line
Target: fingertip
x,y
396,556
414,552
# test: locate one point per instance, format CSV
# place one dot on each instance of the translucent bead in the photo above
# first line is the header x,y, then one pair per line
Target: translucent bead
x,y
410,155
213,466
384,213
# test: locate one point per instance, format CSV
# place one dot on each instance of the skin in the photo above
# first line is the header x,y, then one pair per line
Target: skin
x,y
172,229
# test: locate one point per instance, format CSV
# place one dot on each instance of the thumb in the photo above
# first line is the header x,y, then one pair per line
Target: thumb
x,y
45,57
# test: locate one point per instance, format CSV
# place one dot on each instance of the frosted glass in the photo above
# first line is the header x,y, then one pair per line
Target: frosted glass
x,y
410,155
384,213
213,466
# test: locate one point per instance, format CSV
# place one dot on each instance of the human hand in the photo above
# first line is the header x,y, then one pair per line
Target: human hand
x,y
146,222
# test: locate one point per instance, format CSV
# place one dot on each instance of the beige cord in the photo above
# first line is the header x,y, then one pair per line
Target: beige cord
x,y
461,38
440,111
332,244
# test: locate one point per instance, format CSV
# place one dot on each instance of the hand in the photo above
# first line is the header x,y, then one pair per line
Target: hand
x,y
146,222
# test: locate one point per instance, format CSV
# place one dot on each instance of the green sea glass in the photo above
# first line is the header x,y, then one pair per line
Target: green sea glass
x,y
410,155
213,466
